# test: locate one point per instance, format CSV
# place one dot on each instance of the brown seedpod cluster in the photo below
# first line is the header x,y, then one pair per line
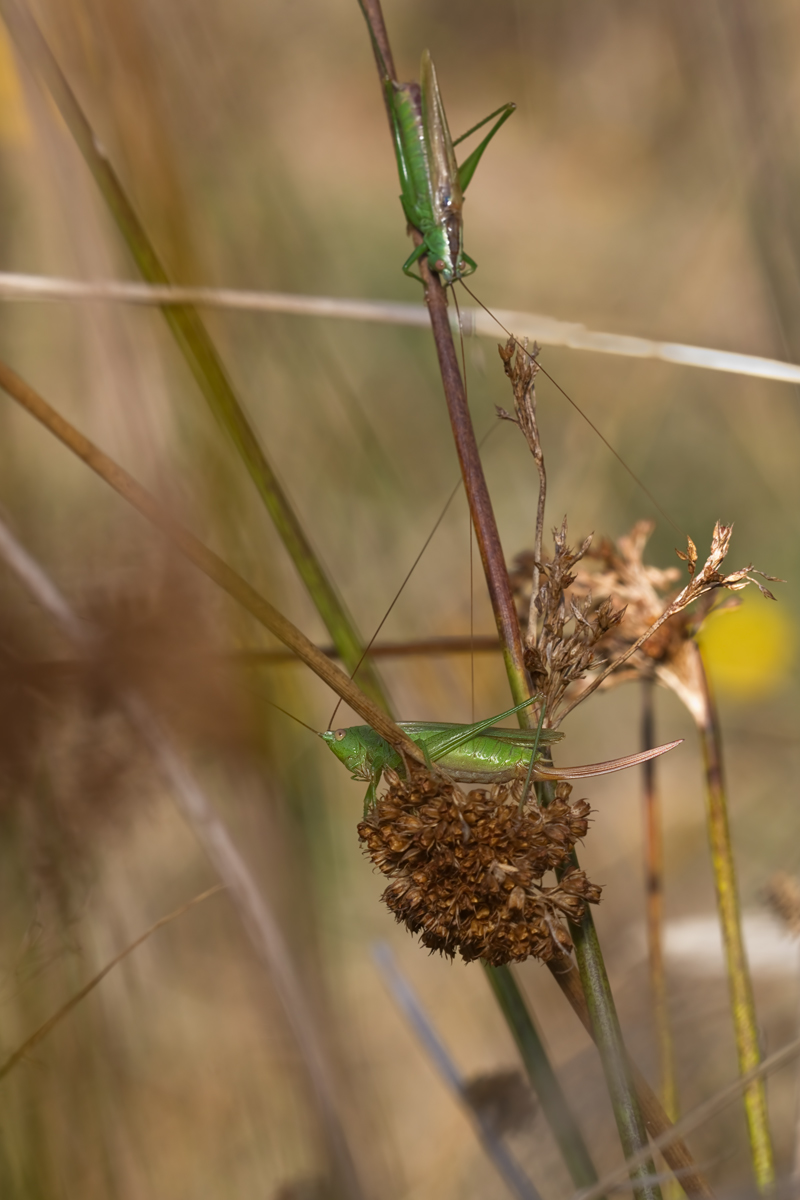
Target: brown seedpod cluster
x,y
467,869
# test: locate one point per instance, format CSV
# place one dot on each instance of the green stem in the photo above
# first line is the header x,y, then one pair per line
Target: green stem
x,y
739,982
199,351
543,1078
608,1036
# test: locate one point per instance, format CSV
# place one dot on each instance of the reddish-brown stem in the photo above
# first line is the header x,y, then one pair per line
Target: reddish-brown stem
x,y
494,564
654,901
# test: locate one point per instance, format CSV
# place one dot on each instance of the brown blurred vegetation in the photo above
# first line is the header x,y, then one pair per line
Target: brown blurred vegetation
x,y
646,185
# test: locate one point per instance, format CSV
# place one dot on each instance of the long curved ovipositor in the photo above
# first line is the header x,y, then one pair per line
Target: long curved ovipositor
x,y
605,768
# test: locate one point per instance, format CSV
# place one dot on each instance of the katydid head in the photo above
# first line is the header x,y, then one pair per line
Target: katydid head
x,y
347,746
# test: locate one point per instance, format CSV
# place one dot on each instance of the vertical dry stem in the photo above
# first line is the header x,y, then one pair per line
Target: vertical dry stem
x,y
654,888
654,902
739,982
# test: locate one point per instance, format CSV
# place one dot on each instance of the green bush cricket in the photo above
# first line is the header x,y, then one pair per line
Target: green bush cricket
x,y
480,753
432,184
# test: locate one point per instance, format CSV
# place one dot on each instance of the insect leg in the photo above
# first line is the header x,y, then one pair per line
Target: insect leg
x,y
534,756
467,168
473,266
415,256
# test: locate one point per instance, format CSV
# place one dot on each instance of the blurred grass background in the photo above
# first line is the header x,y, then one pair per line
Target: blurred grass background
x,y
645,185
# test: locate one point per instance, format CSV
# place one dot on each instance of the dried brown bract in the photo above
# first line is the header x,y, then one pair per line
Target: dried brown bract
x,y
632,614
467,868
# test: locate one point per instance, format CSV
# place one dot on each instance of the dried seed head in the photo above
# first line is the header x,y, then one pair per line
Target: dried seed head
x,y
466,870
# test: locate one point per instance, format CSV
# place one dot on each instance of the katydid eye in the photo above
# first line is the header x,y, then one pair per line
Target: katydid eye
x,y
462,266
439,264
340,734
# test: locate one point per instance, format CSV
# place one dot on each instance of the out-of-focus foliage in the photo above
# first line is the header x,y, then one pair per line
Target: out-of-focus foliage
x,y
647,184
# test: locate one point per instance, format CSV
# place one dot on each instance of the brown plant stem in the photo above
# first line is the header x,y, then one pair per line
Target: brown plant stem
x,y
480,504
654,902
207,561
739,981
676,1153
195,344
483,520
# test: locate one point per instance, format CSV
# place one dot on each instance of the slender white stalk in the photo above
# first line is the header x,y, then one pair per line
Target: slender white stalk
x,y
212,834
547,331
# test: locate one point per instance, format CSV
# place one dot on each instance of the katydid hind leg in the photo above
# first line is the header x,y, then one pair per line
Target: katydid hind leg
x,y
534,755
474,128
469,165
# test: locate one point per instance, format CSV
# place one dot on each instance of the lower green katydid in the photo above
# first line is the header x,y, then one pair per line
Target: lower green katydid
x,y
432,184
478,753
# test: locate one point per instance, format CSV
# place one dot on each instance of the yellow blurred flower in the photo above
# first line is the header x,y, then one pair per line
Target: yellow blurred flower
x,y
14,125
749,650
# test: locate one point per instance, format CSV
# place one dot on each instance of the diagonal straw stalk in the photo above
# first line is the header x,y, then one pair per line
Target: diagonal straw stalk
x,y
195,344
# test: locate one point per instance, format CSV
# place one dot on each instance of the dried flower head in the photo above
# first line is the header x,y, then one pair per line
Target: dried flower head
x,y
467,869
563,625
626,612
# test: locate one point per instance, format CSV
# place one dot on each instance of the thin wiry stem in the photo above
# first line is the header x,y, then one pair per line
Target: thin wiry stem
x,y
211,832
206,560
195,344
739,981
49,1025
654,902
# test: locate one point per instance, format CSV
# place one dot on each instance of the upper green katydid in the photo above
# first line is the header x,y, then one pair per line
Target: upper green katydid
x,y
479,753
432,183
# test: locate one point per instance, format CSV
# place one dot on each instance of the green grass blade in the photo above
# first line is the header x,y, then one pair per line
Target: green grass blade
x,y
543,1078
199,351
